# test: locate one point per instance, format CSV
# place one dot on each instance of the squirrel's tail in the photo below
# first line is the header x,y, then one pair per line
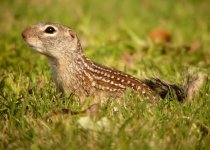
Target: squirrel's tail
x,y
164,89
192,83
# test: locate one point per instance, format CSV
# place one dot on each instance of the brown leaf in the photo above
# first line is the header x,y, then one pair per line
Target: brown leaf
x,y
160,35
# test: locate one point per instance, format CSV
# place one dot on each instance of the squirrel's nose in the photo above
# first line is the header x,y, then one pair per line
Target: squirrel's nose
x,y
26,33
23,34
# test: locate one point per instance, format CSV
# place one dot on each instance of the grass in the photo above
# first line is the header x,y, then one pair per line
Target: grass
x,y
112,33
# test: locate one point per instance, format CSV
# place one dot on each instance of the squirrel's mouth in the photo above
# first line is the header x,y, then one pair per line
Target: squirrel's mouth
x,y
32,46
35,48
38,49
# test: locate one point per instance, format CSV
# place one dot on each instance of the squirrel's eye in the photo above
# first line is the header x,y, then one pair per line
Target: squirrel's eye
x,y
49,30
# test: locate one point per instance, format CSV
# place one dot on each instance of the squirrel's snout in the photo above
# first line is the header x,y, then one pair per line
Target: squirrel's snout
x,y
24,33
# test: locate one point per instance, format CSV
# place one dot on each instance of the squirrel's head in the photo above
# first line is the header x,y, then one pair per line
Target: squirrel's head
x,y
52,40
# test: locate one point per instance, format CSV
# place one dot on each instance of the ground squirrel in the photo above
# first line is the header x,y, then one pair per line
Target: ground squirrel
x,y
74,73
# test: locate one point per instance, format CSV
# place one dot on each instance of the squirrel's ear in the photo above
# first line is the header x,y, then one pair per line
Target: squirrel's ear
x,y
72,34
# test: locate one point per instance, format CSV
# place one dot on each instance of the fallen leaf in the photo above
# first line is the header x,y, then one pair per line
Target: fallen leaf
x,y
160,35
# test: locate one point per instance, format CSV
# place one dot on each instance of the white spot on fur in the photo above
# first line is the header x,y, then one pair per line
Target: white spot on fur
x,y
139,88
93,84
